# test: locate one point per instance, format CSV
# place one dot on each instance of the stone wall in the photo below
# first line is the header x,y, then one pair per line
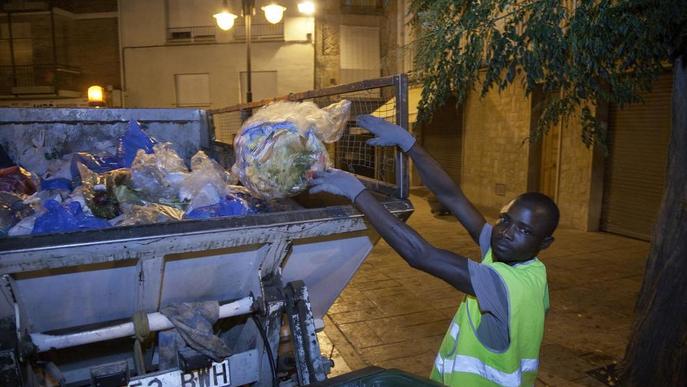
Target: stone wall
x,y
494,153
580,181
495,158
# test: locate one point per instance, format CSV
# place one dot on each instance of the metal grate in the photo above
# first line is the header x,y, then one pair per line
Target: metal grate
x,y
352,153
381,167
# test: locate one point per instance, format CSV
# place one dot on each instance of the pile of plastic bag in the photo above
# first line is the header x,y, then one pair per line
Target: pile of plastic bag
x,y
145,181
280,147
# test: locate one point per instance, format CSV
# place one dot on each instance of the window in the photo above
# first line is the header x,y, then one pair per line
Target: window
x,y
359,53
191,20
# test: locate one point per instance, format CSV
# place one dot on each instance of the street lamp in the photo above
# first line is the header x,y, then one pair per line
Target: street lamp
x,y
306,7
273,13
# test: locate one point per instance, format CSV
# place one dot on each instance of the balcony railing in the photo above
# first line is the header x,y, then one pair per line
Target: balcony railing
x,y
38,79
365,7
260,31
197,34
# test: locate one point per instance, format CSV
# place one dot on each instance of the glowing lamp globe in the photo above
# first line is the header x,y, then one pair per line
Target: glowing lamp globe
x,y
225,20
273,13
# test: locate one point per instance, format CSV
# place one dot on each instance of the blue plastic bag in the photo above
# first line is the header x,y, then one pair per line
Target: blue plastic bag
x,y
133,140
127,147
227,206
56,183
59,218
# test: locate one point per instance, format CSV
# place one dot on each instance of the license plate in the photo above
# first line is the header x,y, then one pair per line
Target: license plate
x,y
217,375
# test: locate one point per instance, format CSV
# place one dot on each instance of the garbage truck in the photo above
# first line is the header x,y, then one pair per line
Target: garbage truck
x,y
92,307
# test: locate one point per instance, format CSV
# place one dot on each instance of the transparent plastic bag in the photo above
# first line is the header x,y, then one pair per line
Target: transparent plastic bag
x,y
147,214
18,180
327,123
134,140
25,226
207,182
281,146
158,175
12,210
99,190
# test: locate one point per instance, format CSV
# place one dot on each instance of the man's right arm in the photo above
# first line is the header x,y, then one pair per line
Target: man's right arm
x,y
447,192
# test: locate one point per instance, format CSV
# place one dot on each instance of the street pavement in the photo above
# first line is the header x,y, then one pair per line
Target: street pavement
x,y
393,316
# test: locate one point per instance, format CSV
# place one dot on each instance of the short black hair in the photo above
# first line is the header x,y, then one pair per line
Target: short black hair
x,y
543,205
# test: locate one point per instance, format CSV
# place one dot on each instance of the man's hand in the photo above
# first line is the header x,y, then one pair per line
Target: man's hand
x,y
387,134
337,182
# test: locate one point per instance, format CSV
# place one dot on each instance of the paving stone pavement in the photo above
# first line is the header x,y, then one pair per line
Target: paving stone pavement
x,y
393,316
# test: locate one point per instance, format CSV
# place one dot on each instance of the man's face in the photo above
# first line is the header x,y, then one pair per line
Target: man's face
x,y
519,233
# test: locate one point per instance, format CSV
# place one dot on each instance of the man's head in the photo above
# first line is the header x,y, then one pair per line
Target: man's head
x,y
525,226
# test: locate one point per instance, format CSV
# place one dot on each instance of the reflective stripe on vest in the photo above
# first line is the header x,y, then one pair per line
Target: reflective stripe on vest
x,y
473,365
455,329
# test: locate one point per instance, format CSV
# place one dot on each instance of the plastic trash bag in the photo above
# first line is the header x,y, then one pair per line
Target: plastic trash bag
x,y
36,149
77,196
25,226
131,142
97,164
159,175
208,195
206,183
280,147
147,214
99,190
59,168
12,210
18,180
56,183
128,145
37,200
70,217
227,206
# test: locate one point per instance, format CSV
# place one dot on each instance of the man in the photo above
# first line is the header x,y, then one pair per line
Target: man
x,y
495,336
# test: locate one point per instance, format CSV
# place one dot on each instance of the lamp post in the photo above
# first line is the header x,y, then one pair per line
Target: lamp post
x,y
273,13
248,7
225,20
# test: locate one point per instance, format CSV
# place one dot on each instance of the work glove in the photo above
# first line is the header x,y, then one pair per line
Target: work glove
x,y
337,182
387,134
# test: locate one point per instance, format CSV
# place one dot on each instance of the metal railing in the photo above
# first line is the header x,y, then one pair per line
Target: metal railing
x,y
365,7
191,34
56,77
259,31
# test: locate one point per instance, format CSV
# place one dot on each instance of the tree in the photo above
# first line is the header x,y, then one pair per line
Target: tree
x,y
582,53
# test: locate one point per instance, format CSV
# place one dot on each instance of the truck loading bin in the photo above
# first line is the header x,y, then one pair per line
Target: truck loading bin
x,y
83,308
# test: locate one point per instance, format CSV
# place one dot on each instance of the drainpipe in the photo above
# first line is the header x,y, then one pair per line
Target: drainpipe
x,y
14,63
54,48
122,58
558,159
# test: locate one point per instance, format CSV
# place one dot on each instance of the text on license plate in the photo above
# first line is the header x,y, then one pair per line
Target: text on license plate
x,y
217,375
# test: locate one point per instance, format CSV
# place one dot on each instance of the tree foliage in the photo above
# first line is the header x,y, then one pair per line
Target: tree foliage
x,y
580,53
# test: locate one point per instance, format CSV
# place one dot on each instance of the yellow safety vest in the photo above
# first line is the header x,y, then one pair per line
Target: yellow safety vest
x,y
464,361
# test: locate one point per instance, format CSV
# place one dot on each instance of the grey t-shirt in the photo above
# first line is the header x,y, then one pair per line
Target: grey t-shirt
x,y
492,296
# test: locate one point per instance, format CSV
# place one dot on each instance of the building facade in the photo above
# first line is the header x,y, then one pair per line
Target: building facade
x,y
51,52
